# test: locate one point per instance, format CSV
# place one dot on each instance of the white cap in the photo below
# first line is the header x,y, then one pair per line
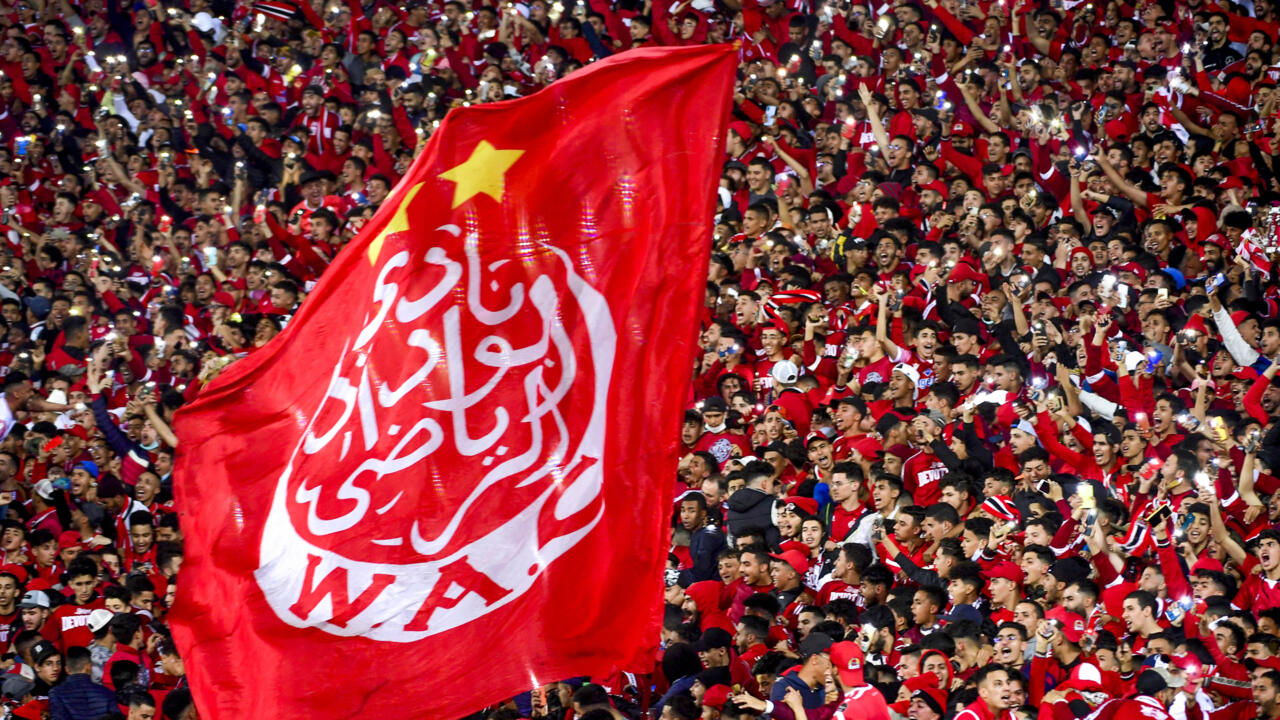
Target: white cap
x,y
44,489
99,618
910,373
785,372
205,22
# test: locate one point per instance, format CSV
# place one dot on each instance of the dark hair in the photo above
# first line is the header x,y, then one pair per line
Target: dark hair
x,y
81,566
1144,600
78,659
878,574
986,671
590,695
943,513
755,625
124,673
124,626
936,595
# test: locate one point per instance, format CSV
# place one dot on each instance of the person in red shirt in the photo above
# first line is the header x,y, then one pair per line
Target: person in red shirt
x,y
847,503
922,471
716,437
1140,618
141,551
68,624
44,553
854,423
10,591
1156,689
751,638
845,581
860,700
995,695
1261,591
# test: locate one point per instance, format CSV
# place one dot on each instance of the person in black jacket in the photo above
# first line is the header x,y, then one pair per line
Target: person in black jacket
x,y
706,543
751,508
78,697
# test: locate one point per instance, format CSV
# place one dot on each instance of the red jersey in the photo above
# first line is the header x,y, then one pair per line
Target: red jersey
x,y
68,625
720,445
842,521
862,703
1258,594
834,589
321,128
867,445
7,630
877,371
921,474
1142,707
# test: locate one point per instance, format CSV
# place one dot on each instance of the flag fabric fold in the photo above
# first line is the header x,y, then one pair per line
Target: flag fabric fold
x,y
446,480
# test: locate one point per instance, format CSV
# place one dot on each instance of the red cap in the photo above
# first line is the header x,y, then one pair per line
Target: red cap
x,y
716,696
1238,317
1007,570
937,186
1207,563
1232,182
224,299
1072,624
777,325
1195,323
902,452
965,271
1080,251
1134,268
802,505
68,538
1218,239
1189,665
795,559
1244,373
742,129
847,658
1084,677
237,283
794,546
960,128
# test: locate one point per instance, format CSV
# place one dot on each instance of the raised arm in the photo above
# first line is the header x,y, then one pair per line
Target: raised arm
x,y
873,117
1131,191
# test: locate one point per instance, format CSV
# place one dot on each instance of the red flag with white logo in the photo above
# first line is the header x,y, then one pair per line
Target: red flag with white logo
x,y
1253,254
446,480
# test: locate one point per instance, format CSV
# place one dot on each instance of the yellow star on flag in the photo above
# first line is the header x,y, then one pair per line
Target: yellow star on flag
x,y
399,223
483,172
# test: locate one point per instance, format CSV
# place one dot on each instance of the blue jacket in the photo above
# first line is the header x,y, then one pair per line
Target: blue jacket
x,y
80,698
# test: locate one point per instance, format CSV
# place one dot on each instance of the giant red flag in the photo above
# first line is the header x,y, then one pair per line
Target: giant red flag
x,y
446,480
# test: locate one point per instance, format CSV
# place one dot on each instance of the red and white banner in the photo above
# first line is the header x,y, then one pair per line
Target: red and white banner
x,y
446,480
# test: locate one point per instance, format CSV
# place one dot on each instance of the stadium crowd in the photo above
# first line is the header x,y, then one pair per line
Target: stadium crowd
x,y
984,426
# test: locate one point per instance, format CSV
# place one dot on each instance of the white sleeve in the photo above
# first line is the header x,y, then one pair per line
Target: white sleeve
x,y
1239,349
1098,404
